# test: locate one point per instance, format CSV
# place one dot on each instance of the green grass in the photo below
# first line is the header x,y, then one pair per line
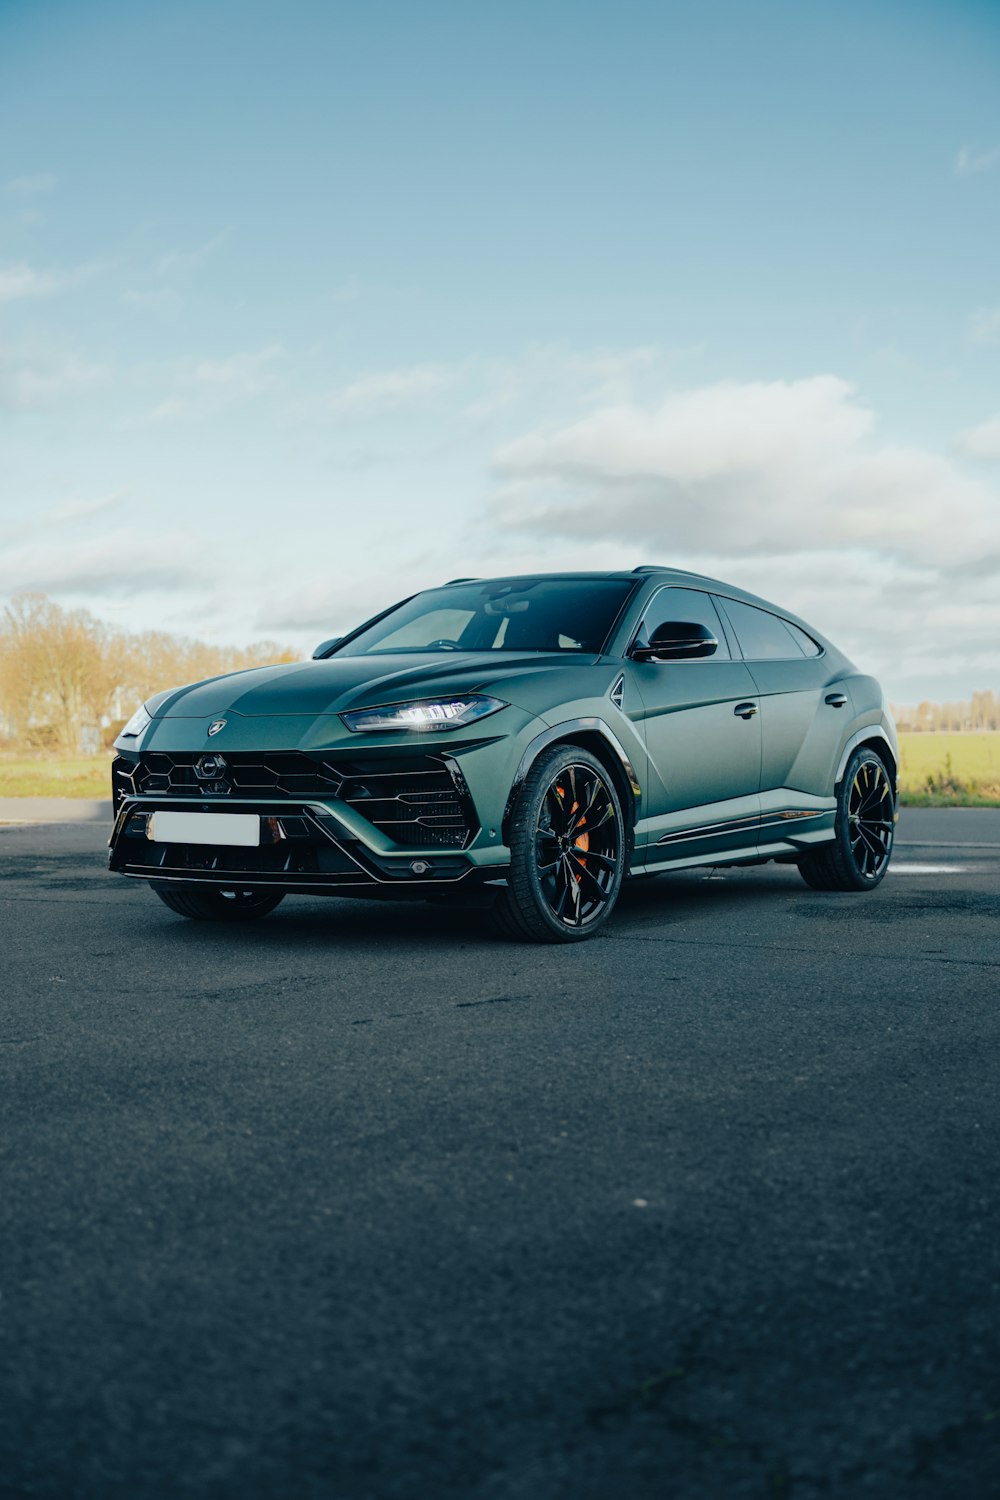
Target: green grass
x,y
55,776
950,770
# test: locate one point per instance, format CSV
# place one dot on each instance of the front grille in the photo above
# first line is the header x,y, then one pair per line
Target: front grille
x,y
416,801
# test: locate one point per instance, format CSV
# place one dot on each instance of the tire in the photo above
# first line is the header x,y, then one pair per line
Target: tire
x,y
858,856
552,896
202,905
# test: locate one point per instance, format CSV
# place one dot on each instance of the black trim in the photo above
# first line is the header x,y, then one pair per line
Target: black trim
x,y
307,850
761,822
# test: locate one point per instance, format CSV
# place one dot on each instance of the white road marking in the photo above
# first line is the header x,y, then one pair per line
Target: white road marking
x,y
900,869
939,844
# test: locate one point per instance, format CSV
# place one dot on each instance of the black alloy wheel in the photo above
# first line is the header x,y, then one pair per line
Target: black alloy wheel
x,y
567,843
859,855
216,905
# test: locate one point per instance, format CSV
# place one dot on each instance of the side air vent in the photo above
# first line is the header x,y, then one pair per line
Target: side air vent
x,y
617,693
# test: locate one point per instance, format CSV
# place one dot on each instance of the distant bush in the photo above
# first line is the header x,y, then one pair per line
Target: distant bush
x,y
944,788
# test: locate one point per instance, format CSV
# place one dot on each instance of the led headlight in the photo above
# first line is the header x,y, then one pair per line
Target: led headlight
x,y
429,713
139,721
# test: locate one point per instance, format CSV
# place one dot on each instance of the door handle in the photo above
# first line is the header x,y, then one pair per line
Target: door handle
x,y
745,710
836,700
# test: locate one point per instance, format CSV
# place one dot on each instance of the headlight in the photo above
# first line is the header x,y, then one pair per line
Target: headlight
x,y
430,713
139,721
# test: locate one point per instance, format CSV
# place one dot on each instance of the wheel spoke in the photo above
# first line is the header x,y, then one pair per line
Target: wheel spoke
x,y
577,878
578,822
592,857
874,848
584,873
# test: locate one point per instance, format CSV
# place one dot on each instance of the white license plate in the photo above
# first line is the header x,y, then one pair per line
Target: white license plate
x,y
241,829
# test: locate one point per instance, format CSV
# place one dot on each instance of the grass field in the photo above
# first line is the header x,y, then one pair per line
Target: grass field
x,y
55,776
950,770
935,770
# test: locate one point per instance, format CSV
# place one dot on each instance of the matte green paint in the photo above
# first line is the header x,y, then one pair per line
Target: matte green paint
x,y
696,762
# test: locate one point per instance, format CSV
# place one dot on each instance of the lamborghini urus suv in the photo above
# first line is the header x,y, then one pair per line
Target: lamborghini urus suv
x,y
526,742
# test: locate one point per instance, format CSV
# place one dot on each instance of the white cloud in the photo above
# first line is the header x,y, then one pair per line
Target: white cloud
x,y
981,441
973,159
110,564
783,488
750,469
203,388
163,301
36,374
19,280
245,373
984,325
31,186
188,260
391,387
82,508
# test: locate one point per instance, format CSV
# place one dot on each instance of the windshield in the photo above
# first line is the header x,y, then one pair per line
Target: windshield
x,y
518,614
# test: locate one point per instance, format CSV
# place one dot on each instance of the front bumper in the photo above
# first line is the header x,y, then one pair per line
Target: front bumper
x,y
302,848
393,821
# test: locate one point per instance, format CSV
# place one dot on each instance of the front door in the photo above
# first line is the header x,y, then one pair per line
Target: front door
x,y
703,738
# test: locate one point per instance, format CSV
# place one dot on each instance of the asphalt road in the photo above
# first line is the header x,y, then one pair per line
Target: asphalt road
x,y
361,1202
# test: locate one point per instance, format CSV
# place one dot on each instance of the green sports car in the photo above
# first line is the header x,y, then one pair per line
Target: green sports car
x,y
525,743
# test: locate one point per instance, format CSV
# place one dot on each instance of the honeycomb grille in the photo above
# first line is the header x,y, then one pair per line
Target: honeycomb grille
x,y
414,800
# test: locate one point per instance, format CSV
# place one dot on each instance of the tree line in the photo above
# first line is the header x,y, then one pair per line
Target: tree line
x,y
68,680
981,711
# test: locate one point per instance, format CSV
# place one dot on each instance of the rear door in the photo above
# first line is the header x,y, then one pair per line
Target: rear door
x,y
802,715
704,757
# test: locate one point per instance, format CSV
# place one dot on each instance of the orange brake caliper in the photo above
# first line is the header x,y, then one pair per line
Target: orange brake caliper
x,y
583,842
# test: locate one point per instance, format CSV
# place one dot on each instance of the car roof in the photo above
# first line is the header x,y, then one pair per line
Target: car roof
x,y
652,572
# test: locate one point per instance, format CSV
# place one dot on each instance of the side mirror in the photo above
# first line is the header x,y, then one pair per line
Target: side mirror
x,y
325,647
677,640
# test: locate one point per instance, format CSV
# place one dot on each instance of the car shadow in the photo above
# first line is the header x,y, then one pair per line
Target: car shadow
x,y
385,926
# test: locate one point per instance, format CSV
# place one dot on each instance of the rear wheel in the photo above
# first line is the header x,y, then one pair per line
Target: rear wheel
x,y
567,846
201,905
859,854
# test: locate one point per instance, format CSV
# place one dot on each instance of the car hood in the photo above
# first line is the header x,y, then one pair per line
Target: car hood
x,y
329,687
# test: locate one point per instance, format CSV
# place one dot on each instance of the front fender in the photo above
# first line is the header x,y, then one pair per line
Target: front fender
x,y
585,728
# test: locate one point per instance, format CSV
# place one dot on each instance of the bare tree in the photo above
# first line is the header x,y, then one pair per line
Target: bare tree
x,y
63,669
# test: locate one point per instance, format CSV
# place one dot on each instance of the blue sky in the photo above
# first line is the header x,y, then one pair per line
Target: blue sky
x,y
305,305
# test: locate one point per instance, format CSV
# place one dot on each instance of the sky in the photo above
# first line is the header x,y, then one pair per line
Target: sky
x,y
304,306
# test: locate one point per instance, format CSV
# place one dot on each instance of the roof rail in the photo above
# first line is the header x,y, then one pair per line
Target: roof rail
x,y
659,568
459,580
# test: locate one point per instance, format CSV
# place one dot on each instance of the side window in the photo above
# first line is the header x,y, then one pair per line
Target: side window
x,y
808,645
688,605
762,636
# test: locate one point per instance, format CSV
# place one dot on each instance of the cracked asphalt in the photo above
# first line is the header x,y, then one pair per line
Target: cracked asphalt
x,y
362,1202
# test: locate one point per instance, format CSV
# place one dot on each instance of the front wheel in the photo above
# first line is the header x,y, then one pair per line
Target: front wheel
x,y
208,905
859,854
567,848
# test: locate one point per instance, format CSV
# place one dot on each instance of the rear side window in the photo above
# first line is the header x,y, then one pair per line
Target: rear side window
x,y
808,645
691,606
762,636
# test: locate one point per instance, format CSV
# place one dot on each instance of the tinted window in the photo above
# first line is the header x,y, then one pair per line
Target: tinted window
x,y
806,642
762,637
691,606
516,614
